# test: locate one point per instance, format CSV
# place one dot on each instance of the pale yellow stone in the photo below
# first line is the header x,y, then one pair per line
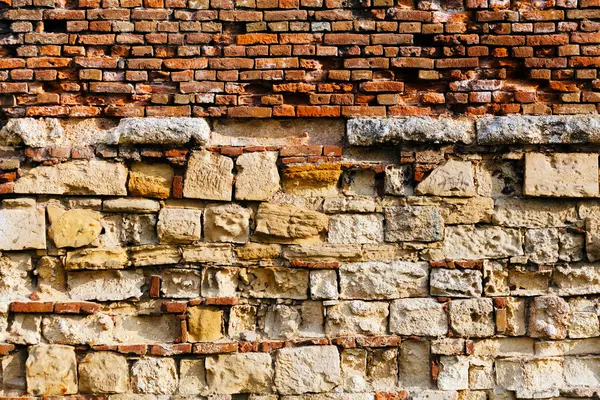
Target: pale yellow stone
x,y
289,224
103,372
151,180
75,228
96,258
208,176
51,370
257,176
205,324
312,180
257,251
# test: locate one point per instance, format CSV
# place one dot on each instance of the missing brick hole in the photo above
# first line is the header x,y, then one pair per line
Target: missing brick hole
x,y
55,26
4,27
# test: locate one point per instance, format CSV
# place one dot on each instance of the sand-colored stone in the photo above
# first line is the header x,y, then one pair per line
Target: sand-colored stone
x,y
208,176
75,228
205,324
151,180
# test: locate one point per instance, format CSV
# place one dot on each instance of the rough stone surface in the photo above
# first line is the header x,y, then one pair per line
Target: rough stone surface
x,y
103,372
239,373
257,176
423,317
75,228
356,229
474,243
472,317
307,369
454,179
164,131
22,229
105,285
357,317
154,376
455,282
179,225
51,370
208,176
227,223
561,175
150,180
415,223
289,224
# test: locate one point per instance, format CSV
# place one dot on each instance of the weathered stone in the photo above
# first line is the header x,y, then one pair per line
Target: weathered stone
x,y
51,278
481,374
257,176
397,180
179,225
164,131
472,317
455,282
323,252
148,329
382,368
570,245
454,373
242,322
310,180
208,176
15,282
180,283
541,245
139,229
151,180
540,129
97,329
561,175
538,378
307,369
418,317
205,324
362,204
227,223
378,280
105,285
14,381
51,370
592,238
289,224
272,283
96,258
447,346
356,228
221,254
154,375
239,373
192,377
452,179
92,177
154,255
25,329
473,243
524,281
415,364
354,370
257,251
359,183
573,280
323,285
582,372
103,372
505,347
357,317
75,228
22,229
130,205
220,282
281,322
549,317
371,131
534,213
413,223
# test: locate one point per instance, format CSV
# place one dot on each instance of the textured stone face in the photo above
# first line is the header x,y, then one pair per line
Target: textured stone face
x,y
103,372
51,370
22,229
239,373
208,176
205,324
289,224
561,175
179,225
151,180
307,369
230,223
154,376
75,228
454,179
356,229
257,177
361,317
473,243
418,224
420,317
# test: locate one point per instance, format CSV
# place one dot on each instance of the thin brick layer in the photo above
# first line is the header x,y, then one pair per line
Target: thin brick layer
x,y
298,58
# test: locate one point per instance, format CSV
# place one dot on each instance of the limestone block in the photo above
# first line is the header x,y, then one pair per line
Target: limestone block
x,y
561,175
274,283
257,176
356,228
466,242
281,322
205,323
324,285
180,283
357,317
165,131
154,376
313,319
418,317
96,258
148,329
220,254
15,282
354,370
22,229
208,176
139,229
495,274
257,251
549,317
192,377
582,372
592,238
541,245
435,395
456,282
151,180
143,256
220,282
584,325
452,179
307,369
524,281
103,372
227,223
570,245
14,382
359,183
51,370
289,224
534,213
515,319
95,329
130,205
447,346
312,180
75,228
466,210
92,177
397,180
242,322
378,280
239,373
413,223
472,317
415,364
105,285
382,369
179,225
572,280
454,373
361,204
481,374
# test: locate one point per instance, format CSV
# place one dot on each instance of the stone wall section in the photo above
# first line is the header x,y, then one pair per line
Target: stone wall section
x,y
373,259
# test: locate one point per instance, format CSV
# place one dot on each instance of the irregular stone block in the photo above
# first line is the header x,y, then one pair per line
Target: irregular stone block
x,y
220,282
415,365
96,258
397,180
103,372
221,254
452,179
273,283
143,256
192,377
208,176
154,375
257,176
576,280
130,205
51,370
454,373
378,280
151,180
148,329
289,224
323,285
180,283
16,282
561,175
179,225
534,213
14,382
139,229
359,183
105,285
467,242
205,324
239,373
592,238
163,131
472,317
382,368
227,223
95,329
371,131
582,372
312,180
456,282
281,322
356,228
418,317
354,370
357,317
549,317
22,229
25,329
92,177
307,369
75,228
242,322
541,245
481,374
413,223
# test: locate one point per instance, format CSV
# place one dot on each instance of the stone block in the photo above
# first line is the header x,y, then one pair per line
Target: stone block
x,y
103,372
357,317
180,283
154,376
397,180
289,224
466,242
273,283
179,225
75,228
455,282
356,228
310,369
472,317
257,176
96,258
227,223
413,224
208,176
164,328
239,373
561,175
151,180
205,324
95,329
452,179
418,317
51,370
549,317
22,229
105,285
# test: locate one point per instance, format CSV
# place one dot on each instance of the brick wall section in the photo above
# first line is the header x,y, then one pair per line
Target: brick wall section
x,y
297,58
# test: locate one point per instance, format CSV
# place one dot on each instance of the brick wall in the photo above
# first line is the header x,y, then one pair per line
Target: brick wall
x,y
297,58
